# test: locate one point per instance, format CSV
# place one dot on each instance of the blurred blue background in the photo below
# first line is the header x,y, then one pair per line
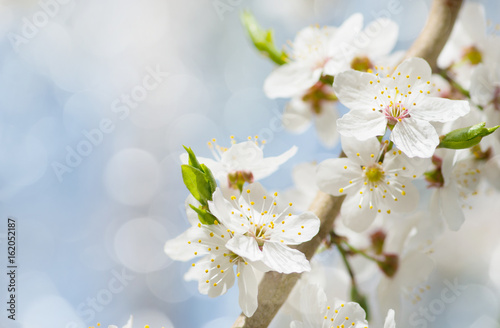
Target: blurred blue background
x,y
97,98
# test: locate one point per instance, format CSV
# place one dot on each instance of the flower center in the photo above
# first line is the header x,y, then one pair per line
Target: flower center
x,y
317,94
362,64
374,174
260,234
396,112
473,55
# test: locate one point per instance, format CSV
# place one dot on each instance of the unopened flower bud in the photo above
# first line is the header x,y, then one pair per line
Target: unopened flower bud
x,y
466,137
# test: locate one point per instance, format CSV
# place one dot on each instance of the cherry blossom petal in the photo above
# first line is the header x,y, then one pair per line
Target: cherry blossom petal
x,y
355,217
482,87
283,259
220,278
350,315
291,79
406,168
180,250
313,305
451,208
402,200
415,137
248,288
310,37
241,155
296,229
354,90
473,20
439,109
245,246
222,209
326,125
492,171
347,31
382,35
297,116
362,125
389,319
413,68
333,175
270,164
257,194
361,152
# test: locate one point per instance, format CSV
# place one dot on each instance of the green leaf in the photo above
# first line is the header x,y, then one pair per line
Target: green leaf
x,y
262,39
466,137
197,183
204,216
193,161
210,178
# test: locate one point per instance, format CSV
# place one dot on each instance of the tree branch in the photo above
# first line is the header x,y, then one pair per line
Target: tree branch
x,y
275,287
436,31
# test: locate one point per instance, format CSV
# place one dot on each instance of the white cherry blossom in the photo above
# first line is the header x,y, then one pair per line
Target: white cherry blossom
x,y
469,44
400,100
329,51
214,271
242,162
316,313
262,231
371,186
316,52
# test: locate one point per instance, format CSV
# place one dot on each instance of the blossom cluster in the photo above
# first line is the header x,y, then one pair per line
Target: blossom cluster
x,y
252,230
406,128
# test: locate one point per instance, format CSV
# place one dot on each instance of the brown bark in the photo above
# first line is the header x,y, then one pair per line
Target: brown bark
x,y
436,32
